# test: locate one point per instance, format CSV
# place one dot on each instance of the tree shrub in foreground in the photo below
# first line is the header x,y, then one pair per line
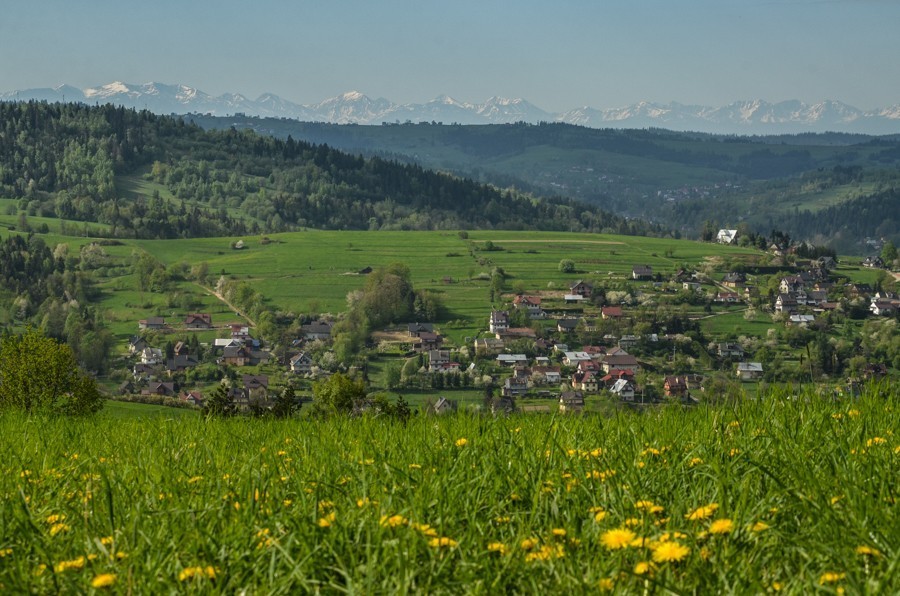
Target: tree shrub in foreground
x,y
39,374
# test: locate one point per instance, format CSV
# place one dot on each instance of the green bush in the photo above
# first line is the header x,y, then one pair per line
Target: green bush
x,y
39,374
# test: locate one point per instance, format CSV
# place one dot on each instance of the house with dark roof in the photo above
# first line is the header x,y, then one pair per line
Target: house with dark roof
x,y
320,330
641,272
612,312
181,362
571,402
414,329
198,321
301,363
499,321
152,323
581,288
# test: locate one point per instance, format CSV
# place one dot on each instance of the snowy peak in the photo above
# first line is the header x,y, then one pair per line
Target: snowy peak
x,y
753,116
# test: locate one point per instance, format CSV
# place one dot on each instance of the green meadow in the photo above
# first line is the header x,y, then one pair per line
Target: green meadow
x,y
787,493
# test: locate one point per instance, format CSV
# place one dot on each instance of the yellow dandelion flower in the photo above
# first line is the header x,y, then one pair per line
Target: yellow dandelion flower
x,y
194,479
695,461
104,580
415,466
106,540
853,413
425,529
705,553
393,521
733,452
642,568
461,442
868,551
777,586
665,552
323,505
5,552
442,542
632,522
558,532
497,547
835,499
617,538
837,416
831,577
643,504
58,529
721,526
759,526
528,543
702,512
502,519
606,584
63,566
876,441
327,520
734,424
600,516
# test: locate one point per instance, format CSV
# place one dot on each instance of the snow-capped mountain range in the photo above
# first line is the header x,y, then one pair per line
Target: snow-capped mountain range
x,y
742,117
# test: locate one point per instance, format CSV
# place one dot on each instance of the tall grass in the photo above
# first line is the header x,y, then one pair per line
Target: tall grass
x,y
803,490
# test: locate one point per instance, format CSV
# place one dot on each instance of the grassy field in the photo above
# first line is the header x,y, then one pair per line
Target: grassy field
x,y
120,410
774,494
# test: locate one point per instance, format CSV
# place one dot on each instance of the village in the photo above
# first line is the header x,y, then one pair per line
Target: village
x,y
645,340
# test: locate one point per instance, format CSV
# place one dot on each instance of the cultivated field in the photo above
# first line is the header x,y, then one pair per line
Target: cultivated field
x,y
792,495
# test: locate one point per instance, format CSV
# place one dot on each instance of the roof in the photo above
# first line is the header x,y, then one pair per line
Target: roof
x,y
567,323
750,367
573,356
319,327
532,300
642,270
420,327
198,318
507,358
725,235
254,381
612,311
621,385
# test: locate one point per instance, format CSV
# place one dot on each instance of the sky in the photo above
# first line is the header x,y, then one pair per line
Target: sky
x,y
558,54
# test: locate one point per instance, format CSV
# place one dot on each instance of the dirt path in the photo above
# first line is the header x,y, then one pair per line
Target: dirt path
x,y
221,299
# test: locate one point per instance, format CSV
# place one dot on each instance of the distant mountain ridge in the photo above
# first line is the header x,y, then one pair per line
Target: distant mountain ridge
x,y
740,117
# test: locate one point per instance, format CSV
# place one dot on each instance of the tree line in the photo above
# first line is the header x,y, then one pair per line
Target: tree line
x,y
67,161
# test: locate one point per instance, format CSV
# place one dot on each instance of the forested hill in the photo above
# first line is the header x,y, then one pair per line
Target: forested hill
x,y
149,176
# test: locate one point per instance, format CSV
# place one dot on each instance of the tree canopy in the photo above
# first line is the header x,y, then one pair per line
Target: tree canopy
x,y
40,375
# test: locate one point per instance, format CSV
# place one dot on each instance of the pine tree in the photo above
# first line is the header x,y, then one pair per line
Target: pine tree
x,y
219,403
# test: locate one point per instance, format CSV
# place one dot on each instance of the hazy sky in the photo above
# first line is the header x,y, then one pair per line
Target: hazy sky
x,y
558,55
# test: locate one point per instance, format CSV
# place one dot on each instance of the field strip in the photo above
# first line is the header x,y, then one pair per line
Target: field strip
x,y
558,241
